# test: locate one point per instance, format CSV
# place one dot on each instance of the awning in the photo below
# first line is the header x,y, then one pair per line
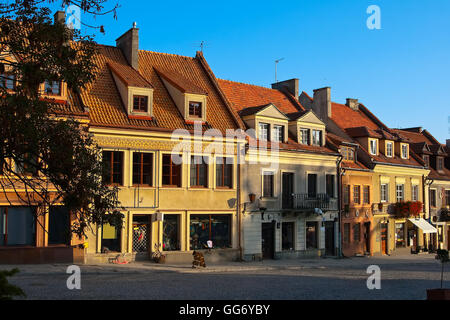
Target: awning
x,y
424,225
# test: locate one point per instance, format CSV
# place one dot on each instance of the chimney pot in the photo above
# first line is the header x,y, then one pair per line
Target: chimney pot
x,y
59,16
352,104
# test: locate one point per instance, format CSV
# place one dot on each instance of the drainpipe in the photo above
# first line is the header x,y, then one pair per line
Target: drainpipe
x,y
339,183
427,181
238,200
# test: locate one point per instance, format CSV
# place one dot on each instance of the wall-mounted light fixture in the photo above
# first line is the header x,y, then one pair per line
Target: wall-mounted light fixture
x,y
262,212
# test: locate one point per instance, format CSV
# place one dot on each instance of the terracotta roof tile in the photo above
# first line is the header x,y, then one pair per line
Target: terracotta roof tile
x,y
180,82
129,75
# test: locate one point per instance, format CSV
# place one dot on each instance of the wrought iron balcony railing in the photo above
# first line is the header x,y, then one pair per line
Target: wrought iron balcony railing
x,y
311,201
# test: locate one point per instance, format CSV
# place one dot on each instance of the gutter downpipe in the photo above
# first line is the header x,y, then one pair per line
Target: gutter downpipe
x,y
238,198
338,169
429,182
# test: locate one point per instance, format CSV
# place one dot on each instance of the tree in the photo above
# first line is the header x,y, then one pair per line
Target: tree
x,y
47,155
7,290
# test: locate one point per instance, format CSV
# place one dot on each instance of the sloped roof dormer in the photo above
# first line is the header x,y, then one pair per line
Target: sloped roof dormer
x,y
135,91
306,120
190,99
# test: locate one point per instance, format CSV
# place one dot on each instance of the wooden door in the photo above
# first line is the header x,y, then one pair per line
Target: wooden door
x,y
268,237
329,238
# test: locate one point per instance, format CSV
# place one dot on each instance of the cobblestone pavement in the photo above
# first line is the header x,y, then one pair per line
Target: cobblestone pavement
x,y
402,277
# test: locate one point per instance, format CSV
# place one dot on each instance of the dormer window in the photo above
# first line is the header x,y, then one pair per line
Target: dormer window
x,y
195,109
389,149
140,103
52,88
264,131
317,137
426,159
373,147
304,136
348,153
404,151
440,164
278,133
8,81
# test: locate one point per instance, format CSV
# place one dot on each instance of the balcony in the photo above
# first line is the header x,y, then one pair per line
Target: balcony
x,y
323,201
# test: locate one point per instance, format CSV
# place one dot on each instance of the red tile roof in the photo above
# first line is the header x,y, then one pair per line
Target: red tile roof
x,y
128,75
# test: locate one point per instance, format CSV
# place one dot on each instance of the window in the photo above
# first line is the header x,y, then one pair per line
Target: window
x,y
278,133
366,195
346,232
389,149
287,236
415,192
433,197
113,161
59,225
204,227
312,185
384,192
171,172
195,109
110,238
304,136
52,88
404,151
330,185
17,226
400,192
348,153
140,103
264,131
317,137
142,168
8,81
440,163
224,172
171,234
311,235
373,147
400,235
27,165
347,194
268,180
357,232
199,172
447,197
426,159
357,194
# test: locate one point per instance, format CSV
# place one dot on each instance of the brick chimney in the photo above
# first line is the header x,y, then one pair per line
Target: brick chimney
x,y
59,16
292,86
352,104
322,103
129,44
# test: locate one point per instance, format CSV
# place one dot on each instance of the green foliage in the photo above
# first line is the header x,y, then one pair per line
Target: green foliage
x,y
442,255
7,290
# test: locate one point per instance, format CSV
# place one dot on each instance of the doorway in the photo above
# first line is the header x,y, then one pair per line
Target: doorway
x,y
268,237
141,233
288,190
384,236
367,237
329,238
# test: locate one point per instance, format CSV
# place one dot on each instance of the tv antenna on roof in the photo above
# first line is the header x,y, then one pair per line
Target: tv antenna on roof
x,y
276,62
202,45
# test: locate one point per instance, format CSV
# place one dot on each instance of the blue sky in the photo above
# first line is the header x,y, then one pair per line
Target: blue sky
x,y
401,72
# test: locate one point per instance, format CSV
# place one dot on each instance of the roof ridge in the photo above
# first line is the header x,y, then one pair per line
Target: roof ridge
x,y
247,84
167,54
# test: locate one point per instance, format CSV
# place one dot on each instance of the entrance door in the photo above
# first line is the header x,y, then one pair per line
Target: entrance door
x,y
141,233
384,234
288,190
367,236
329,238
268,237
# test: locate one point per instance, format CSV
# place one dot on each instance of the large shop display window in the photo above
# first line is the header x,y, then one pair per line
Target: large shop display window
x,y
215,228
59,225
17,226
311,235
171,234
110,238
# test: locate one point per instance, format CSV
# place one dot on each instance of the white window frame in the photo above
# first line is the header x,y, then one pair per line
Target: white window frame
x,y
373,143
404,151
266,131
400,192
384,194
415,192
277,133
313,137
389,149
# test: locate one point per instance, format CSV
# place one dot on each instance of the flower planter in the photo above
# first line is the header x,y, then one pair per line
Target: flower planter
x,y
438,294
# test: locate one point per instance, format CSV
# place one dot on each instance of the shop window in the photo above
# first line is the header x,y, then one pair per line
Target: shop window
x,y
357,232
141,233
171,233
311,235
59,225
287,238
268,184
113,161
110,238
142,168
224,172
216,228
17,226
400,235
346,232
199,172
171,172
